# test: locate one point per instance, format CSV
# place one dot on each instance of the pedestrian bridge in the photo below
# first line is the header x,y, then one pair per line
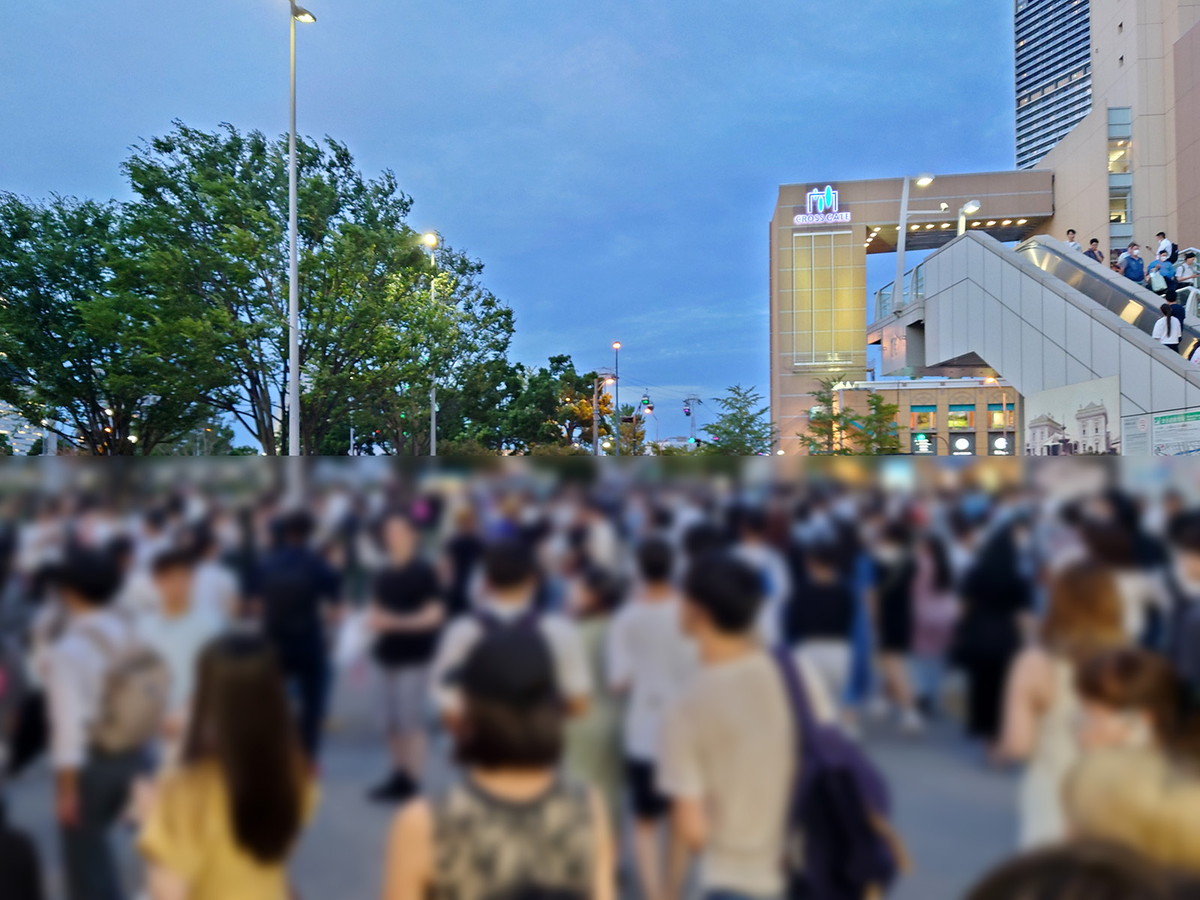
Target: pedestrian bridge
x,y
1041,316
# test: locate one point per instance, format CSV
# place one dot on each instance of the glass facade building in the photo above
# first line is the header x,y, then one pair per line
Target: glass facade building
x,y
1053,73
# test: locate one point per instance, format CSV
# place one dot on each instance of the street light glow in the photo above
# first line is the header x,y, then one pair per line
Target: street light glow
x,y
971,207
108,412
616,345
300,14
924,181
430,240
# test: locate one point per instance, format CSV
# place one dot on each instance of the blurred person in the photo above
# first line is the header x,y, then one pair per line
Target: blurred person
x,y
935,611
1116,544
996,596
895,572
1087,870
593,744
508,600
406,614
222,825
1142,798
92,783
1094,252
294,592
819,618
1084,617
1167,330
755,548
214,584
1180,593
461,556
20,863
511,825
1130,698
650,662
727,757
177,629
1071,242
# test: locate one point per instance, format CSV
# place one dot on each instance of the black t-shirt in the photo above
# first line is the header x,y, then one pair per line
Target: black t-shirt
x,y
820,612
464,551
293,584
405,590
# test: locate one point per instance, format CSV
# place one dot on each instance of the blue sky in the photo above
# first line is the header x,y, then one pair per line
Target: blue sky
x,y
614,164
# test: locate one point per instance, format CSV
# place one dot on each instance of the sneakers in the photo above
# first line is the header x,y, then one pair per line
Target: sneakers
x,y
398,787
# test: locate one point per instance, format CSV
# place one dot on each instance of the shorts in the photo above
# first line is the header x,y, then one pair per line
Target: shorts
x,y
649,804
405,699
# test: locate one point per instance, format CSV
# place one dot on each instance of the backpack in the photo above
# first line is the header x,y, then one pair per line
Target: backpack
x,y
1174,257
134,695
839,843
490,623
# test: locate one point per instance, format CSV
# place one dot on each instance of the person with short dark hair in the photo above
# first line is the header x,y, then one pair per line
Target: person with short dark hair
x,y
406,615
1094,252
1071,242
727,755
93,785
509,588
223,824
295,593
650,661
1131,265
512,826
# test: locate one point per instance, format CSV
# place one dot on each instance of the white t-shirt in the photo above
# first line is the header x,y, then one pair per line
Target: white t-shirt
x,y
215,587
730,742
1165,244
649,655
178,641
1167,330
461,635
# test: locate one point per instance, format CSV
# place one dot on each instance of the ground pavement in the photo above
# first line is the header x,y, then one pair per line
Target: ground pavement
x,y
956,816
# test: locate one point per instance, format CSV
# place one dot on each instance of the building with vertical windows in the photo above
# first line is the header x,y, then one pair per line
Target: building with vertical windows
x,y
1053,73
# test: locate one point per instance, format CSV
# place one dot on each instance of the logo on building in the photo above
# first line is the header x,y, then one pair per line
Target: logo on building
x,y
821,208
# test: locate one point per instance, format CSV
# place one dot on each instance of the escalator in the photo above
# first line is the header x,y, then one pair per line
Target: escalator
x,y
1135,304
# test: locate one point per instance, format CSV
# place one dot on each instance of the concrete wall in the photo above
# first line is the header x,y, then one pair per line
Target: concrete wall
x,y
1187,135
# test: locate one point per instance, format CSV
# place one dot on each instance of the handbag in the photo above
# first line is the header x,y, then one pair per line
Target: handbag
x,y
1158,283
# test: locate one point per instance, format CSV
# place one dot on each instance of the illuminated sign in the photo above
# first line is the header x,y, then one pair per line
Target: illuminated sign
x,y
821,208
962,445
924,444
1000,445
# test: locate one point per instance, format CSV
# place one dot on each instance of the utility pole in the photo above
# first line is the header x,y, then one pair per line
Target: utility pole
x,y
689,410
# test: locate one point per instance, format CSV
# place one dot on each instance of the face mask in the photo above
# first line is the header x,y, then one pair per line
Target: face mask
x,y
1136,253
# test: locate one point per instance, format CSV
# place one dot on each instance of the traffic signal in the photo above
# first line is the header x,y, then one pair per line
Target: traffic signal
x,y
691,440
645,399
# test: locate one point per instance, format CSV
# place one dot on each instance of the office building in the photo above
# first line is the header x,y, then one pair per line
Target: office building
x,y
1053,73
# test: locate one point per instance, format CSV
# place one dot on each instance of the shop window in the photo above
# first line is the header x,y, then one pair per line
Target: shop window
x,y
924,418
961,417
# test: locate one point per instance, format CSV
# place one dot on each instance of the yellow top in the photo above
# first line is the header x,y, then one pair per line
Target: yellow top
x,y
190,833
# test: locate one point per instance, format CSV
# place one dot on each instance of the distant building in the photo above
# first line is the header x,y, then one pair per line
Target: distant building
x,y
1053,73
1093,429
21,435
1048,437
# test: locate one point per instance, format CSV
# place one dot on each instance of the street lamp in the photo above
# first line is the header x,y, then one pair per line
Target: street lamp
x,y
431,241
923,181
298,14
968,209
596,385
616,345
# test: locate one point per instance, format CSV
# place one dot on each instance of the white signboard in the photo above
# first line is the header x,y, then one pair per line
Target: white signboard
x,y
1135,436
1176,434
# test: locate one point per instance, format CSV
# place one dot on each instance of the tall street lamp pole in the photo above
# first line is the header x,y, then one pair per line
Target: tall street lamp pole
x,y
617,391
298,14
430,240
923,181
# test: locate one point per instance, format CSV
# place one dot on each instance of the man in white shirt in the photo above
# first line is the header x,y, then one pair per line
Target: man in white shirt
x,y
1165,245
214,586
650,662
510,580
728,757
92,786
1071,242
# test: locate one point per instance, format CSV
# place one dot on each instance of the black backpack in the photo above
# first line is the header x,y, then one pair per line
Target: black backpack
x,y
1174,254
839,842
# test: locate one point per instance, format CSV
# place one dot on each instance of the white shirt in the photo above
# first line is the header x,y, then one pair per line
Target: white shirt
x,y
730,743
215,587
649,656
461,635
1165,244
179,640
75,668
1167,330
1074,245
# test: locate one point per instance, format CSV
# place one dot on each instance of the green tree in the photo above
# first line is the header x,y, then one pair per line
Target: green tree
x,y
6,449
875,432
743,427
86,349
633,434
829,424
553,405
37,448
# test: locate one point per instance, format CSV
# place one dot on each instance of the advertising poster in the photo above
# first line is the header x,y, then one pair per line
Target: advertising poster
x,y
1075,420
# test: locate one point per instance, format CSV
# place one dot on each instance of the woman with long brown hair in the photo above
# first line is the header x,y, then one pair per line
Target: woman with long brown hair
x,y
222,826
1084,617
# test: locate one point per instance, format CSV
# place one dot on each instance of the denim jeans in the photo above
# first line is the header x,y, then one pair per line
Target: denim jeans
x,y
88,861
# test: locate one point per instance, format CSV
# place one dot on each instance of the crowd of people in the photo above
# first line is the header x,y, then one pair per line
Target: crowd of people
x,y
650,688
1170,273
